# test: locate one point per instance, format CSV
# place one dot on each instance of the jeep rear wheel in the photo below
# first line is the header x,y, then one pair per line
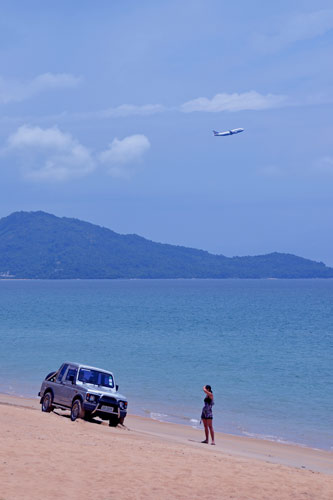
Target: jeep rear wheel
x,y
47,402
77,411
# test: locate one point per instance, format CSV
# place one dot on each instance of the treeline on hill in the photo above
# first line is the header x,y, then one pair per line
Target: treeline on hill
x,y
42,246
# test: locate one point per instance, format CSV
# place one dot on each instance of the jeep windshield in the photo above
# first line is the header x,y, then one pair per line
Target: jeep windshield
x,y
95,377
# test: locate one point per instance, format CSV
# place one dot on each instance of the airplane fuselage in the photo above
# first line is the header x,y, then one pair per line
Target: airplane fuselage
x,y
228,132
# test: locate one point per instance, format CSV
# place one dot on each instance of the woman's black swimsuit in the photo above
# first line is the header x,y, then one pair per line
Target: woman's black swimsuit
x,y
207,410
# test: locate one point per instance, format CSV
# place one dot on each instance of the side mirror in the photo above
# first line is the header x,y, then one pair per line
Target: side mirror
x,y
117,387
72,379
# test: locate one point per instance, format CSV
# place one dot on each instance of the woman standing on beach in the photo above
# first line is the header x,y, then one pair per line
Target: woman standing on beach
x,y
207,414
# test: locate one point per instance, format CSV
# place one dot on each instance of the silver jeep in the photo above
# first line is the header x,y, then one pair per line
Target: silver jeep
x,y
86,391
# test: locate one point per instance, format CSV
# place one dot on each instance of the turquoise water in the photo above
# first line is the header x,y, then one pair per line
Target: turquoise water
x,y
265,347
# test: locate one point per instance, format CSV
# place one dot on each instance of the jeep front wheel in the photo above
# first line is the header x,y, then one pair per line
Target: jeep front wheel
x,y
47,402
77,411
114,421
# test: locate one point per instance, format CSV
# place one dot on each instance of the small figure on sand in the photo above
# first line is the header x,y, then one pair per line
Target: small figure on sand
x,y
207,414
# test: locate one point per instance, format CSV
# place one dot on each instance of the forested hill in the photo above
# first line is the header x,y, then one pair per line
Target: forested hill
x,y
43,246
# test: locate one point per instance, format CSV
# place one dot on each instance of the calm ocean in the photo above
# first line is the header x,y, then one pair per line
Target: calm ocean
x,y
265,347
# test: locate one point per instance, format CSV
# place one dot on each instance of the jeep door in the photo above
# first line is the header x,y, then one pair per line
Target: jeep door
x,y
69,388
57,385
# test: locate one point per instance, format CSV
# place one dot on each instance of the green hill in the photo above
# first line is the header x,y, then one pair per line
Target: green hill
x,y
43,246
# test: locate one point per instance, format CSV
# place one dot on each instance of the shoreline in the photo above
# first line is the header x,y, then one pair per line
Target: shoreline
x,y
169,420
289,454
43,454
171,279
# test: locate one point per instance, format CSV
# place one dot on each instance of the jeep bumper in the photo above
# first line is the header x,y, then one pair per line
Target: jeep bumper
x,y
105,409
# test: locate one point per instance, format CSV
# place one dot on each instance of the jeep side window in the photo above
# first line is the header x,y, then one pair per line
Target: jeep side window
x,y
71,375
61,373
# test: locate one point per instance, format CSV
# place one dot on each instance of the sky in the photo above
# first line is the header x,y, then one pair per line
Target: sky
x,y
107,110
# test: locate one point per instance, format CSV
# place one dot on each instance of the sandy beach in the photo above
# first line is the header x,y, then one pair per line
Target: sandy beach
x,y
43,456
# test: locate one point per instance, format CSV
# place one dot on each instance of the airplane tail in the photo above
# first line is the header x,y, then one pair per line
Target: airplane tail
x,y
215,132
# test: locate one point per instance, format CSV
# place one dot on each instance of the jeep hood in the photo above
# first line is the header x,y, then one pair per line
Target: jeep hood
x,y
109,392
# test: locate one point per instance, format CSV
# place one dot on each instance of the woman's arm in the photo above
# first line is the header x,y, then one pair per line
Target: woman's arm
x,y
209,394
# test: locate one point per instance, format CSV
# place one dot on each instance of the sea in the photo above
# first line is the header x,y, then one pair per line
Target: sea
x,y
265,347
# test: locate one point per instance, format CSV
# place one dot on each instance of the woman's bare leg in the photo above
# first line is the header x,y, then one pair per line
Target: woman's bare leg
x,y
212,435
205,422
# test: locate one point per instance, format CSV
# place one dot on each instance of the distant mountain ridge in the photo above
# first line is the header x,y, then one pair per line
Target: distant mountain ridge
x,y
38,245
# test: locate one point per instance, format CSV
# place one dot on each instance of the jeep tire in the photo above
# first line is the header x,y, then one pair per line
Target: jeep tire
x,y
47,402
77,411
88,415
114,421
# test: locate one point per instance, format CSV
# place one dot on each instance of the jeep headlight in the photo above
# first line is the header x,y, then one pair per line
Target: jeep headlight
x,y
123,405
92,398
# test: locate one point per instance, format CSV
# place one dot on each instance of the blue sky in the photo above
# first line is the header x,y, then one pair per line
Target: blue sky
x,y
107,111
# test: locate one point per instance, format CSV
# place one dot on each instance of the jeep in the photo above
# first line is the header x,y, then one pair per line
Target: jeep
x,y
86,391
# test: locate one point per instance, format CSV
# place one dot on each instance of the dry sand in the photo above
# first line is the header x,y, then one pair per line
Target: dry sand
x,y
44,456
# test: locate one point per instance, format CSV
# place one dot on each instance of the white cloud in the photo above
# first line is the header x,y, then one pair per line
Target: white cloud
x,y
301,27
27,136
49,154
121,154
131,110
121,111
52,155
251,100
16,91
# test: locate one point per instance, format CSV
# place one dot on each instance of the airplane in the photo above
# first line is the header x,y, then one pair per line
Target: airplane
x,y
228,132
